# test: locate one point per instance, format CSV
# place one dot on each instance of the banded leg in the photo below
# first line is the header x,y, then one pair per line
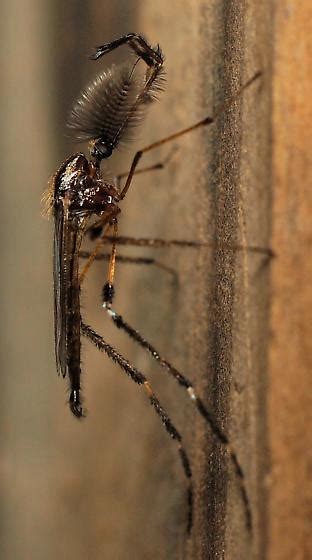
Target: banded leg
x,y
136,376
108,295
216,431
108,290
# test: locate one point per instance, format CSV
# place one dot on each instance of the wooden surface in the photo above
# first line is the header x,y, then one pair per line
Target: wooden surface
x,y
238,326
290,395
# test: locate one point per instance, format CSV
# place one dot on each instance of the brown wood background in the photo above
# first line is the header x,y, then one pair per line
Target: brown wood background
x,y
290,396
111,486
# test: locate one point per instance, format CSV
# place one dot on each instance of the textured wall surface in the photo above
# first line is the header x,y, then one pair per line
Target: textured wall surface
x,y
235,323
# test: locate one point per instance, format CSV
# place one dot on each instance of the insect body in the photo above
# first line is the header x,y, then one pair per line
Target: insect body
x,y
78,192
105,115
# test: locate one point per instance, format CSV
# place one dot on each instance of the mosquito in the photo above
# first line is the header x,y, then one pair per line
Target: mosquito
x,y
105,114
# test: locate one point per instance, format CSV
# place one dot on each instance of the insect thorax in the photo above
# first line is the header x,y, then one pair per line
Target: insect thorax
x,y
79,183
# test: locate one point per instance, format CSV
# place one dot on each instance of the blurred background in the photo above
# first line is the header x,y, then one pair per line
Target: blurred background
x,y
111,486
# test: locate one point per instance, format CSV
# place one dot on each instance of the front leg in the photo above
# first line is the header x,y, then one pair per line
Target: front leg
x,y
152,57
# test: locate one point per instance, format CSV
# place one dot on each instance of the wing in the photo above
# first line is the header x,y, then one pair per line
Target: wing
x,y
60,271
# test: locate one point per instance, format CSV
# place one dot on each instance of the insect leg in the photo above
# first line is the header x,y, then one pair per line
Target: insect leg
x,y
95,229
130,260
108,290
157,243
220,436
204,122
154,167
152,57
136,376
105,221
